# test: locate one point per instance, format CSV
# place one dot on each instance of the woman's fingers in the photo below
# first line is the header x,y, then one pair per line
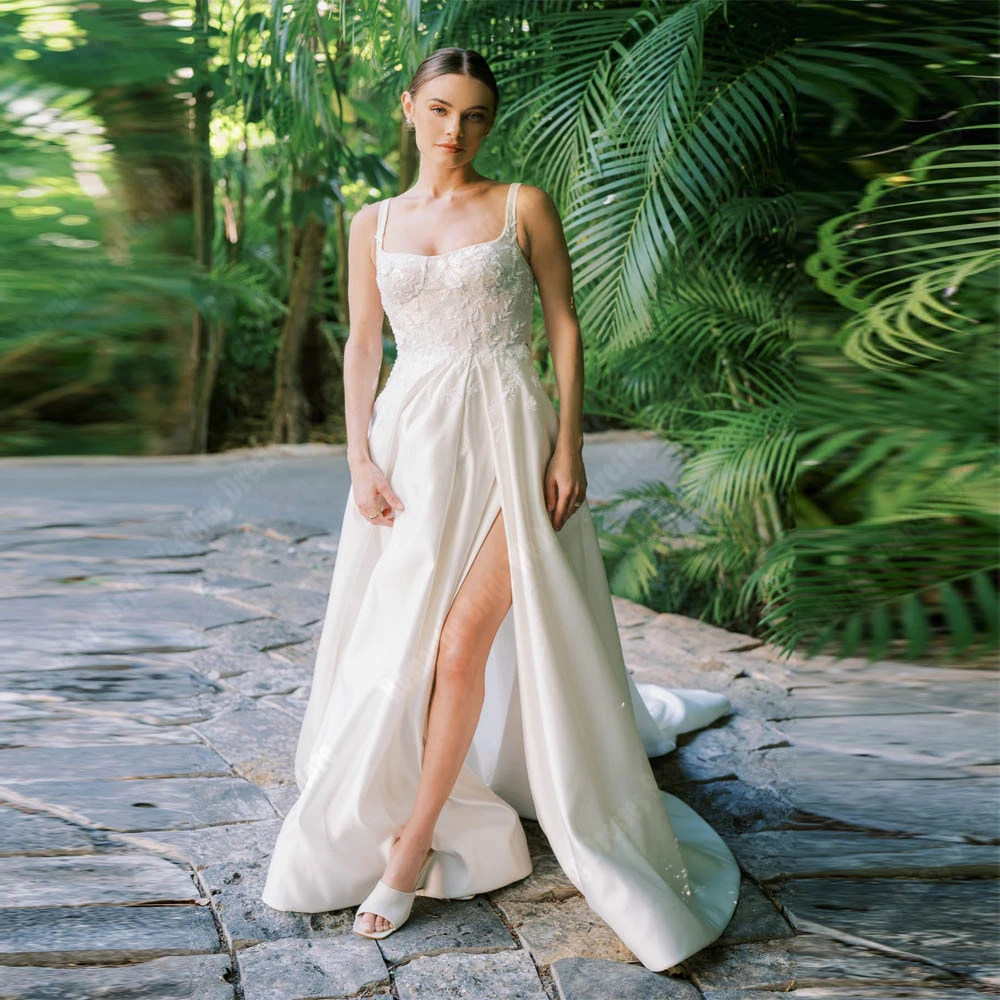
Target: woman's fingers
x,y
391,498
567,498
569,503
385,511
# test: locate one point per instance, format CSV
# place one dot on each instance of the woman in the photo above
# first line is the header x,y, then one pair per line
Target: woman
x,y
469,671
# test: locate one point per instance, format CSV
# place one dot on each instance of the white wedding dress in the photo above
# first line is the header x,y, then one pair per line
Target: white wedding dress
x,y
463,428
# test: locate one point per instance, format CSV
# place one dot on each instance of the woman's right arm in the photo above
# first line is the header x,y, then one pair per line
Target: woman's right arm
x,y
362,365
363,351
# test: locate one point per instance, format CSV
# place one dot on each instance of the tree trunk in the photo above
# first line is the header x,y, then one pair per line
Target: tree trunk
x,y
167,194
290,423
208,335
148,127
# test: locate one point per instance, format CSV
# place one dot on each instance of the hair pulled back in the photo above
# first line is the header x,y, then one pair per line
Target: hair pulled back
x,y
465,62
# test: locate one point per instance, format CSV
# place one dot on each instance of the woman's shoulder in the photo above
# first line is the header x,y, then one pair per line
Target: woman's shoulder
x,y
535,206
366,217
531,195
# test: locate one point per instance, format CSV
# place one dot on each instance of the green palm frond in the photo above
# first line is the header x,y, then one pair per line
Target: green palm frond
x,y
642,202
743,454
558,118
665,553
867,586
648,121
918,238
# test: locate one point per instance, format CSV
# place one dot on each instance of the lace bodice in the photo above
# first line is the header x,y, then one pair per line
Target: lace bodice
x,y
475,302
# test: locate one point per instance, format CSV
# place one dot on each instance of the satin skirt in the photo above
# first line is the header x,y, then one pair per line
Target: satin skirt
x,y
564,735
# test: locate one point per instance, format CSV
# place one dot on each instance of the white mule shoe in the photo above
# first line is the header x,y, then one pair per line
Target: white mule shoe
x,y
393,905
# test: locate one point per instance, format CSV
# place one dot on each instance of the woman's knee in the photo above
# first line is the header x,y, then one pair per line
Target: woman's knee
x,y
457,651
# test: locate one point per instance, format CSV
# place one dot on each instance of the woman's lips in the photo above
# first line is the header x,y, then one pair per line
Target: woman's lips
x,y
449,149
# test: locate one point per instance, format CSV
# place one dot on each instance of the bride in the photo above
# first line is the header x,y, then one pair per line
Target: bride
x,y
470,672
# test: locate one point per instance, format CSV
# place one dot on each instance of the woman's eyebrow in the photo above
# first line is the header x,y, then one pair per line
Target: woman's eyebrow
x,y
472,108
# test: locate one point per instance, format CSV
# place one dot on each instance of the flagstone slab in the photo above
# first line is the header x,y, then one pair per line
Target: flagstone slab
x,y
506,975
438,925
600,979
629,614
104,639
115,760
104,935
220,582
48,511
189,977
33,833
155,714
216,845
312,969
954,921
97,878
25,663
883,699
732,806
270,680
302,654
157,803
297,605
33,708
262,633
700,638
944,809
320,546
293,704
281,570
769,855
82,729
755,918
547,881
282,797
226,659
920,992
801,765
804,961
116,681
955,738
243,542
108,546
258,742
287,530
236,889
165,605
91,574
569,928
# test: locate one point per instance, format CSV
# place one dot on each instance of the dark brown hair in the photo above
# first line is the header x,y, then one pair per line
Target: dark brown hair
x,y
466,62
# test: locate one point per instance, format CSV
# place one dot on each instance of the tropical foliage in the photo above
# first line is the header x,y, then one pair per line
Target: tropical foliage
x,y
782,217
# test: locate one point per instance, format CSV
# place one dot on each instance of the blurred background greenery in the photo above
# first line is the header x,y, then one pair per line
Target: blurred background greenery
x,y
783,220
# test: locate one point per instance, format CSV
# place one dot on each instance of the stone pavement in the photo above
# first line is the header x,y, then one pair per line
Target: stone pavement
x,y
155,669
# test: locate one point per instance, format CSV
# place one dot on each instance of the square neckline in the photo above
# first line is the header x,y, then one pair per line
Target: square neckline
x,y
508,215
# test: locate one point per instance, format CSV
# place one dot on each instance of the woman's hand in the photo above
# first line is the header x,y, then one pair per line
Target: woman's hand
x,y
565,484
373,494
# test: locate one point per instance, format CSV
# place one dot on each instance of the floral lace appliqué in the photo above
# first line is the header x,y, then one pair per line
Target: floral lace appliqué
x,y
458,310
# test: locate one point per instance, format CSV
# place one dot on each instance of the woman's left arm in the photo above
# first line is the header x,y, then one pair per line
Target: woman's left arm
x,y
565,477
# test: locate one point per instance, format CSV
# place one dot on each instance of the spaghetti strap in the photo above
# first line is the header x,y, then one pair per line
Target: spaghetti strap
x,y
511,215
380,227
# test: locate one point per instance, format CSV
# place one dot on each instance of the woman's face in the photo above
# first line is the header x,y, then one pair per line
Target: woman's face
x,y
451,115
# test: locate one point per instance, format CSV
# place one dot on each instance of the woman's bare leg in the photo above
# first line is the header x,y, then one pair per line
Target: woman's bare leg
x,y
456,702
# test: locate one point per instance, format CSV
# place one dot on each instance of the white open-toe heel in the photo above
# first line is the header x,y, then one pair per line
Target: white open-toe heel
x,y
392,904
